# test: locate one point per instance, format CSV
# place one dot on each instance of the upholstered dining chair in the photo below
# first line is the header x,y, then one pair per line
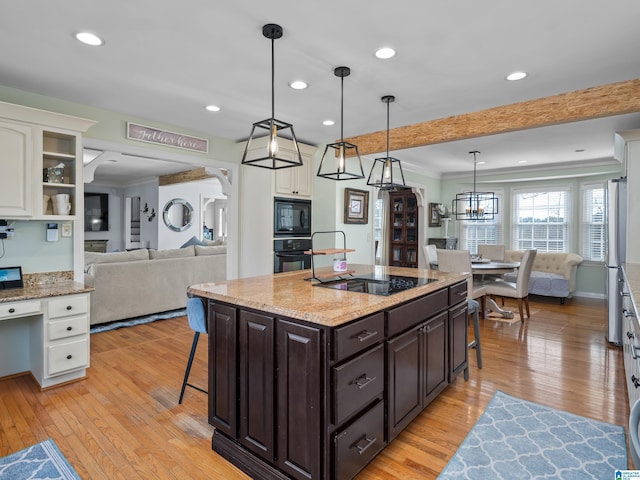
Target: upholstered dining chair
x,y
491,251
459,261
430,255
518,290
198,323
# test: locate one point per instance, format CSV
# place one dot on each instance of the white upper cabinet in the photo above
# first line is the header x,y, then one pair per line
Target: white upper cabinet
x,y
16,153
41,159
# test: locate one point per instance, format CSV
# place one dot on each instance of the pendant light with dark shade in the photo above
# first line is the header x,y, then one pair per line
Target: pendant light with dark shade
x,y
475,205
338,157
390,170
270,155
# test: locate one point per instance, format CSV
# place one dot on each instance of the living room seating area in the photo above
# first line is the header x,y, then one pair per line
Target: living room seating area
x,y
142,282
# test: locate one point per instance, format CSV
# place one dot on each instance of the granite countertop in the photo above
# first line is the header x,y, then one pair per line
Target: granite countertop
x,y
43,291
632,274
289,294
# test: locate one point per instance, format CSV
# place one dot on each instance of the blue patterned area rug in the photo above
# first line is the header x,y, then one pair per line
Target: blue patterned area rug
x,y
130,322
40,461
516,439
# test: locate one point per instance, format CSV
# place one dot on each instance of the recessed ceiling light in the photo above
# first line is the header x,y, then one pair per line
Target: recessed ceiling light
x,y
89,39
385,52
480,162
522,161
516,76
579,150
298,85
328,123
212,108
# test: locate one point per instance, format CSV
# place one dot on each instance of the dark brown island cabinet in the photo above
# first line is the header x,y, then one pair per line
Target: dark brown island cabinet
x,y
291,399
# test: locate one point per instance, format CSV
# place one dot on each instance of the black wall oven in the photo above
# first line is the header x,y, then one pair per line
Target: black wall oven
x,y
288,254
291,217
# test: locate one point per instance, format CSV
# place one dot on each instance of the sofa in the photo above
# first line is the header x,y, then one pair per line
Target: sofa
x,y
553,273
142,282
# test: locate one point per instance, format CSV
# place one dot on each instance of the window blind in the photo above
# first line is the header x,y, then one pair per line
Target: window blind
x,y
593,225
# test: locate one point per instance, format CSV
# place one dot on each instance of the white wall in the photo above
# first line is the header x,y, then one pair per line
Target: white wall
x,y
191,192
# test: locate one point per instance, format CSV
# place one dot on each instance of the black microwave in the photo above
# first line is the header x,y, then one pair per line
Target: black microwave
x,y
291,217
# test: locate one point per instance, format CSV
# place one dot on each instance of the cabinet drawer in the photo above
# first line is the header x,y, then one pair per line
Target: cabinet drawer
x,y
67,327
20,309
357,336
356,445
457,293
406,316
68,305
357,382
67,356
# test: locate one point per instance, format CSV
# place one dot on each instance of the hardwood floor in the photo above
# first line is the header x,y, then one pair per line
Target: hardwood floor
x,y
123,421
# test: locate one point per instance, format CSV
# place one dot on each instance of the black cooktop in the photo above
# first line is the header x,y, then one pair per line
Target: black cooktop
x,y
376,284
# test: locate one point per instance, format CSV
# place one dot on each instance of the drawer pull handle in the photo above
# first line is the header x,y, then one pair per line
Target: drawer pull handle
x,y
69,307
462,294
69,329
362,381
69,357
12,310
634,352
362,449
364,335
629,335
627,313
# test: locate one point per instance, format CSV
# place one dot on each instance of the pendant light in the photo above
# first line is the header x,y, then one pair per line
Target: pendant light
x,y
475,205
337,155
266,152
390,171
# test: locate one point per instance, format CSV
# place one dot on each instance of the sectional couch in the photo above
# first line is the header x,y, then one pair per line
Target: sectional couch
x,y
143,282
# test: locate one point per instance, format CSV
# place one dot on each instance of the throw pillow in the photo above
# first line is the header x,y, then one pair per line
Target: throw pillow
x,y
192,241
176,252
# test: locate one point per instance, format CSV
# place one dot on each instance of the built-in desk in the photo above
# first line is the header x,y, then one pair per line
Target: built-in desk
x,y
44,330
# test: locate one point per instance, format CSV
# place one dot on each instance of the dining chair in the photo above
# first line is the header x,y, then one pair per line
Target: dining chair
x,y
491,251
459,261
198,323
430,255
518,290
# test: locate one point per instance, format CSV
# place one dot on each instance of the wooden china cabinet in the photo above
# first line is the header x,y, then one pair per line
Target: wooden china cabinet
x,y
403,229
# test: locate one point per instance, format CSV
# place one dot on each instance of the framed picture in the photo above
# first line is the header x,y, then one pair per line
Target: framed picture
x,y
356,206
434,215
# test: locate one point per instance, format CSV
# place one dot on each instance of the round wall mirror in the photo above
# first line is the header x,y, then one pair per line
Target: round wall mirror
x,y
177,214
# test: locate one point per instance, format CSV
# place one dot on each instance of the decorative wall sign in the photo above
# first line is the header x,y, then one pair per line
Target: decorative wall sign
x,y
356,206
170,139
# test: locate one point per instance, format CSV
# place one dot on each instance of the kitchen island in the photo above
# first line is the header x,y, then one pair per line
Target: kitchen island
x,y
307,382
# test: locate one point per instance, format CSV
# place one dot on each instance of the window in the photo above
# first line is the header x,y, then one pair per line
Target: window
x,y
475,232
593,227
541,219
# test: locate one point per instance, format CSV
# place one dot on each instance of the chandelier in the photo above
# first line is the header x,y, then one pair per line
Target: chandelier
x,y
475,205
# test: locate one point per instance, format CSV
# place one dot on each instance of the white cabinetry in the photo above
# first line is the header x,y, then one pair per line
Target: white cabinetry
x,y
630,341
48,337
30,141
16,145
295,181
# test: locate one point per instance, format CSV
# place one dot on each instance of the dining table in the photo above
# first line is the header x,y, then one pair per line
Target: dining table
x,y
484,266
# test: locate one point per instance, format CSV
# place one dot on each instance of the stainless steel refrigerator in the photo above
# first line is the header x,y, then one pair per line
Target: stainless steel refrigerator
x,y
615,253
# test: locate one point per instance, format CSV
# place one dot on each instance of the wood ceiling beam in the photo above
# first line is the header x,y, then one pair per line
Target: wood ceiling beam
x,y
182,177
596,102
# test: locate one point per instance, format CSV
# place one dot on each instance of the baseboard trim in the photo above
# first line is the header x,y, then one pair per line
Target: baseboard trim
x,y
599,296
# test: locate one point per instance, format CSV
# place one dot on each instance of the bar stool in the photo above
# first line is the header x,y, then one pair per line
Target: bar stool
x,y
198,323
473,307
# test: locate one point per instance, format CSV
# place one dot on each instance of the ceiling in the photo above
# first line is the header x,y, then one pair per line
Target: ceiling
x,y
165,60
